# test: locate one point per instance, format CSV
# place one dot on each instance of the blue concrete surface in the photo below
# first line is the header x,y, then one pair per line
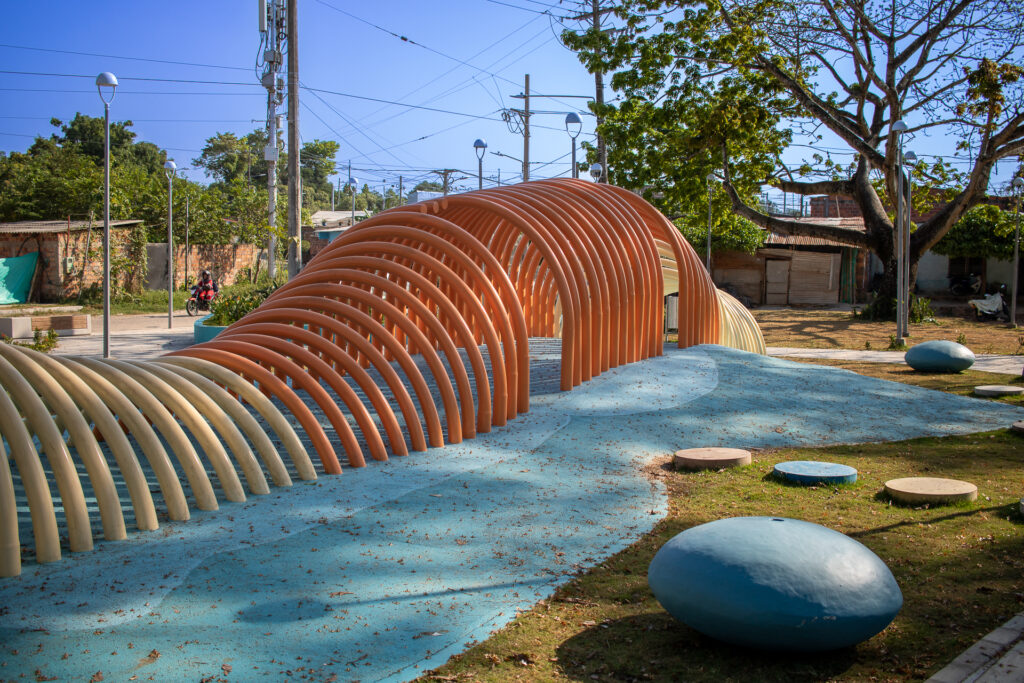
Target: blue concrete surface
x,y
939,355
774,583
810,472
383,572
204,333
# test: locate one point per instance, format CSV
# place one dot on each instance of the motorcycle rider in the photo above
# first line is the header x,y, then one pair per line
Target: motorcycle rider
x,y
206,288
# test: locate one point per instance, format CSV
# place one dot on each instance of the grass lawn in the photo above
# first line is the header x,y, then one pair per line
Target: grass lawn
x,y
818,329
961,568
152,300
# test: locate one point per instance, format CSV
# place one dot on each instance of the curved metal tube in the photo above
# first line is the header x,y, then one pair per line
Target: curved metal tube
x,y
467,278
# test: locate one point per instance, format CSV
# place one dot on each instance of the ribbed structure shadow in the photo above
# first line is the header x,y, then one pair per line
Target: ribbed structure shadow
x,y
410,329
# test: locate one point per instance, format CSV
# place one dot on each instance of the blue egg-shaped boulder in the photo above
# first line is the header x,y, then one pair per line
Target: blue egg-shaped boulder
x,y
774,583
939,356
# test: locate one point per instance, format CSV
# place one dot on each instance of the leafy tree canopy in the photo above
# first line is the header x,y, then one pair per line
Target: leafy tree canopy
x,y
983,231
726,85
429,186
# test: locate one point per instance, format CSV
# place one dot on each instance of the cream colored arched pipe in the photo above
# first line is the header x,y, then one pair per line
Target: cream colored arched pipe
x,y
80,435
86,446
245,421
193,421
33,480
145,436
738,327
221,421
68,485
263,405
10,543
95,409
162,419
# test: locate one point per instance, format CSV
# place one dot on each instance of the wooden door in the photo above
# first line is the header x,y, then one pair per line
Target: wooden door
x,y
776,282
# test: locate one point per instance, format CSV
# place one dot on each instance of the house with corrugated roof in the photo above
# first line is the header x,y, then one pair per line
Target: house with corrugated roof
x,y
70,254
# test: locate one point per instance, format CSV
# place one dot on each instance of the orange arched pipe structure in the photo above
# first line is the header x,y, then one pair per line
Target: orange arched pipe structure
x,y
461,283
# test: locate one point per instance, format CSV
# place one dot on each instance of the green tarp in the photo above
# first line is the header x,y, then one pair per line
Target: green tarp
x,y
16,277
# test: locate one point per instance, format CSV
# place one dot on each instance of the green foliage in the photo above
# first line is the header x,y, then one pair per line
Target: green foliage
x,y
429,186
729,232
884,308
961,339
896,344
229,308
982,231
43,343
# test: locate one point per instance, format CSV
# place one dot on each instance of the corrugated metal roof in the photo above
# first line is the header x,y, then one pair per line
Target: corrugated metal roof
x,y
775,239
46,227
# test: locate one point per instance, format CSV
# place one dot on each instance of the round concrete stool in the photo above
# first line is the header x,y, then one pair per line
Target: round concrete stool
x,y
811,472
710,458
930,490
1017,427
991,390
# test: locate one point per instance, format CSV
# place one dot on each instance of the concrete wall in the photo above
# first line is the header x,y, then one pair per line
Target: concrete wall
x,y
933,273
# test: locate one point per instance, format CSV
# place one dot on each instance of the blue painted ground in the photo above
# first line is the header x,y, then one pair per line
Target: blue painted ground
x,y
381,573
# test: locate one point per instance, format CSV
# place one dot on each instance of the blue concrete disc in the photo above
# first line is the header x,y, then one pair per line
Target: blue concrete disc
x,y
814,472
774,583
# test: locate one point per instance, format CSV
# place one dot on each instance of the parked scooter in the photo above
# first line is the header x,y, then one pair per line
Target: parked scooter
x,y
965,284
992,306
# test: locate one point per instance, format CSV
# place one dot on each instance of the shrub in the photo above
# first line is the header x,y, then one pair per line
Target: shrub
x,y
40,342
229,308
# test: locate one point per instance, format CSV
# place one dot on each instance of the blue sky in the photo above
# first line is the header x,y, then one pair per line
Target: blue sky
x,y
467,57
464,56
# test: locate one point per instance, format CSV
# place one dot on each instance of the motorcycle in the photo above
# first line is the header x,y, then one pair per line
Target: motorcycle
x,y
965,284
991,307
197,302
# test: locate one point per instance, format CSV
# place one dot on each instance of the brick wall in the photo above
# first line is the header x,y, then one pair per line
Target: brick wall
x,y
54,280
224,261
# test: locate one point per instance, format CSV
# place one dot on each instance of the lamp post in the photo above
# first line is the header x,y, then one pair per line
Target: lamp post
x,y
711,179
480,146
596,171
1018,187
573,126
899,128
106,80
352,182
170,167
909,159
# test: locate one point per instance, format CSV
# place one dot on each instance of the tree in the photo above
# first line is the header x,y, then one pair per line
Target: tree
x,y
715,84
982,231
429,186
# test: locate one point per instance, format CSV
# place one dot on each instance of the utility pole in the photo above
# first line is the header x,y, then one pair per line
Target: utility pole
x,y
602,151
526,131
271,26
446,175
401,199
294,177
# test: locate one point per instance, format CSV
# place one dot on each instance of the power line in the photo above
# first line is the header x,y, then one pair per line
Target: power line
x,y
134,59
409,40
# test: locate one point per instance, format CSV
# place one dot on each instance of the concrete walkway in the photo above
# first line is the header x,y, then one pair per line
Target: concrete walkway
x,y
1004,365
136,337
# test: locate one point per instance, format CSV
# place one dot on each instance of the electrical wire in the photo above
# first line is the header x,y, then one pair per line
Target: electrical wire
x,y
134,59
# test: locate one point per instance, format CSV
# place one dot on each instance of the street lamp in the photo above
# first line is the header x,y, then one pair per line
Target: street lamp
x,y
899,128
909,159
481,148
711,181
169,169
595,172
1018,187
352,182
106,80
573,126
